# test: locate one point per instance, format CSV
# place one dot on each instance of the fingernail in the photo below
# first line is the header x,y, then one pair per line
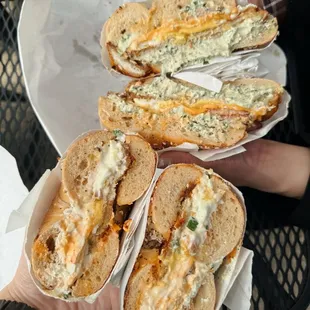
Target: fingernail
x,y
164,162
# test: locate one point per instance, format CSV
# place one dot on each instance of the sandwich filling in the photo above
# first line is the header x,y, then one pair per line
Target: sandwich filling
x,y
202,123
162,93
181,274
199,49
180,43
112,166
85,219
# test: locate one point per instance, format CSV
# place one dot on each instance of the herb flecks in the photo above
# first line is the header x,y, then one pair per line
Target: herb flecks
x,y
117,133
192,224
175,244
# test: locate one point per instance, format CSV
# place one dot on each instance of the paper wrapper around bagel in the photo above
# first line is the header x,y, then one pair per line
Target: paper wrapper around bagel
x,y
224,277
39,201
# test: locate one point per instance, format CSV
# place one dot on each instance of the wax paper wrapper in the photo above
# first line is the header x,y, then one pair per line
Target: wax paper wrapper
x,y
63,71
37,204
233,279
269,63
13,192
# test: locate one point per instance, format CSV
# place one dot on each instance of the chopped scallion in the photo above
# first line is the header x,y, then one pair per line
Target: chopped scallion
x,y
192,224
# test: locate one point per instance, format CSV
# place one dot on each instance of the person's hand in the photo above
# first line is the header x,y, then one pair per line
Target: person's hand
x,y
22,289
266,165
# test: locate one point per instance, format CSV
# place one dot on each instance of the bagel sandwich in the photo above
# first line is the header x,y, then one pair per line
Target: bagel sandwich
x,y
102,174
169,111
195,221
176,34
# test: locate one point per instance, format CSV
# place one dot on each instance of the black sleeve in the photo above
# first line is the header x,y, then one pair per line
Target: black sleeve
x,y
301,215
13,305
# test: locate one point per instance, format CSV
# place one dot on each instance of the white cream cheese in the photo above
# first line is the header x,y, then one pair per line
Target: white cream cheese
x,y
200,206
147,104
111,167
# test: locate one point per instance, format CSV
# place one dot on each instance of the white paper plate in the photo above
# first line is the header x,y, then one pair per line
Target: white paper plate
x,y
60,56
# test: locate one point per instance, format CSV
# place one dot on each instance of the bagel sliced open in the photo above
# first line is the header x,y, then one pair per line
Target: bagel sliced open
x,y
78,243
176,34
169,111
195,220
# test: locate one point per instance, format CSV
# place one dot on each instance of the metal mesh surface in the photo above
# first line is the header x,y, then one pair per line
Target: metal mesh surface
x,y
20,131
281,260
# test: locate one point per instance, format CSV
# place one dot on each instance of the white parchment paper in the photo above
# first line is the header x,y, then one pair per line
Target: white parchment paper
x,y
226,278
13,191
12,194
61,60
234,282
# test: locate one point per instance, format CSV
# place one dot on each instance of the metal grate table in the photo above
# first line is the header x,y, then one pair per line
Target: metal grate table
x,y
282,257
20,131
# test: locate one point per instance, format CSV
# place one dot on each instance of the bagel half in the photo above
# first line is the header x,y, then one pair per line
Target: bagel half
x,y
168,111
175,34
195,220
77,246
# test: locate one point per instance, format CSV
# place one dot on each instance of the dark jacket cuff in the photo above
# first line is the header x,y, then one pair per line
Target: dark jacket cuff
x,y
13,305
